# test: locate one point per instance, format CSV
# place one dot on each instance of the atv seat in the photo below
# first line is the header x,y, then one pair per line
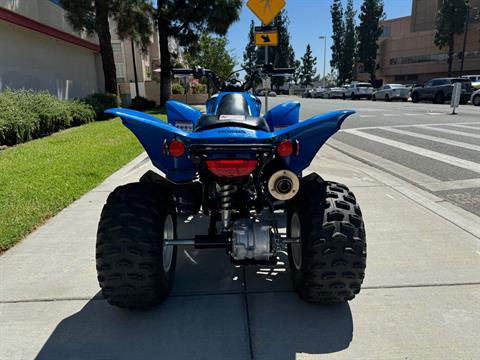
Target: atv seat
x,y
208,122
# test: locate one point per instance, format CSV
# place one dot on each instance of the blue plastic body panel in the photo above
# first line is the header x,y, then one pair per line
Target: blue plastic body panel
x,y
283,115
177,111
153,133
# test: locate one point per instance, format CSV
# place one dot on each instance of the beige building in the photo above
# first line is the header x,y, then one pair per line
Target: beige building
x,y
41,51
147,64
407,53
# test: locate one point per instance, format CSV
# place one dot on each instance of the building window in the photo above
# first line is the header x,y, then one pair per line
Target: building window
x,y
117,47
387,30
120,70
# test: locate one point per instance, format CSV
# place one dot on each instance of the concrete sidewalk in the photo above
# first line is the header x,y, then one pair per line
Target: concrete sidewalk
x,y
420,299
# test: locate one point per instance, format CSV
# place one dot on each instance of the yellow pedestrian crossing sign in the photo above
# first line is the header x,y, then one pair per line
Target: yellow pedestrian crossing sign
x,y
266,38
266,10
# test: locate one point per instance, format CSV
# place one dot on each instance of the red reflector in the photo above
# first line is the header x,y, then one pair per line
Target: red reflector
x,y
285,148
176,148
231,168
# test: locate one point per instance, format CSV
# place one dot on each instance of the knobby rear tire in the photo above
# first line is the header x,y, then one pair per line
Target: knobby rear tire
x,y
333,244
129,251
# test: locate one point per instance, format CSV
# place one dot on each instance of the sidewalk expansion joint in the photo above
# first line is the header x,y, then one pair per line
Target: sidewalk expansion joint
x,y
247,313
245,293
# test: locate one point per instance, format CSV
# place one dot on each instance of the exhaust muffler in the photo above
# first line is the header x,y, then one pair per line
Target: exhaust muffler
x,y
283,185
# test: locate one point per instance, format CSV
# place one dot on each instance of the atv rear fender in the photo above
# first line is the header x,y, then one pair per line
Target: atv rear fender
x,y
153,133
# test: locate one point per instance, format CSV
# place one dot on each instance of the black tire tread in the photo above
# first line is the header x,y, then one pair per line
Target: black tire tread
x,y
128,251
333,243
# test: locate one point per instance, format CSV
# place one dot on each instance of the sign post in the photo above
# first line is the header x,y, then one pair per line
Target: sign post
x,y
457,91
266,10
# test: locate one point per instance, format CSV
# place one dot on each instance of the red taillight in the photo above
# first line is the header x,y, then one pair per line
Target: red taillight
x,y
285,148
231,168
176,148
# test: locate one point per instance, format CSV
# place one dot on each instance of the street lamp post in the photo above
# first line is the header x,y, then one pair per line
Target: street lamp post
x,y
324,59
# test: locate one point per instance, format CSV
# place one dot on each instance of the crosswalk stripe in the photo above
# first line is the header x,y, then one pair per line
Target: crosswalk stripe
x,y
451,160
433,138
464,126
409,125
396,168
453,132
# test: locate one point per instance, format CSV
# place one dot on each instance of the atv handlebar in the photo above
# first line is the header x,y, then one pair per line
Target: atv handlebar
x,y
182,71
287,71
270,70
226,85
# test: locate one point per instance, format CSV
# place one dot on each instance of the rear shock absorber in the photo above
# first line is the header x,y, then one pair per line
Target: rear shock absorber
x,y
225,192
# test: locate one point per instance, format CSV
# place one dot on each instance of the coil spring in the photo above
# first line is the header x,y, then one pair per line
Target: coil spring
x,y
226,192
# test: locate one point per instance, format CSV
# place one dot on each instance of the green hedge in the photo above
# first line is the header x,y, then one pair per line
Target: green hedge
x,y
102,102
178,88
27,115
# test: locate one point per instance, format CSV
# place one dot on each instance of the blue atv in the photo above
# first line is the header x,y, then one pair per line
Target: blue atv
x,y
243,172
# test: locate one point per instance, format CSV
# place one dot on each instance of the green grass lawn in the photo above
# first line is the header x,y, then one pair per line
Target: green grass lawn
x,y
41,177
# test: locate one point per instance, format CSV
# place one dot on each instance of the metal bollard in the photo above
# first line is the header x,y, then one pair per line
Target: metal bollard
x,y
457,91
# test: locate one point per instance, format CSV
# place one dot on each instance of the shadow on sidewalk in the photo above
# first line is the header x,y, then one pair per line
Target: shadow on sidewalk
x,y
283,326
206,318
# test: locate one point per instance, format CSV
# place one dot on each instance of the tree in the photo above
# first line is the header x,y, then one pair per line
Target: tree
x,y
308,71
250,59
283,55
212,54
338,30
297,76
348,53
133,20
185,21
451,19
369,32
330,80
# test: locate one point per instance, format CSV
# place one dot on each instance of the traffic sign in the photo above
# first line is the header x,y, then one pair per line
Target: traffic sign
x,y
266,38
266,10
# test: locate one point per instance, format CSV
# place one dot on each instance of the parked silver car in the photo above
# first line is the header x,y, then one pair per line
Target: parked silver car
x,y
391,92
359,90
318,92
475,99
336,92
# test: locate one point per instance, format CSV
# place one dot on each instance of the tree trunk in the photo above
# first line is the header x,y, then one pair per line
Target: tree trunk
x,y
451,46
106,51
165,64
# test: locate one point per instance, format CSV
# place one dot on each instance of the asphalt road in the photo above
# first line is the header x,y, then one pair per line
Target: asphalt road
x,y
421,143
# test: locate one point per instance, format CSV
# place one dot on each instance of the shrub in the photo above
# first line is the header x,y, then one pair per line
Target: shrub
x,y
26,115
81,113
17,123
53,114
178,88
196,87
140,103
102,102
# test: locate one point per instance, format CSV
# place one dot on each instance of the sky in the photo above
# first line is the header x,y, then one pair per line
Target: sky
x,y
309,19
